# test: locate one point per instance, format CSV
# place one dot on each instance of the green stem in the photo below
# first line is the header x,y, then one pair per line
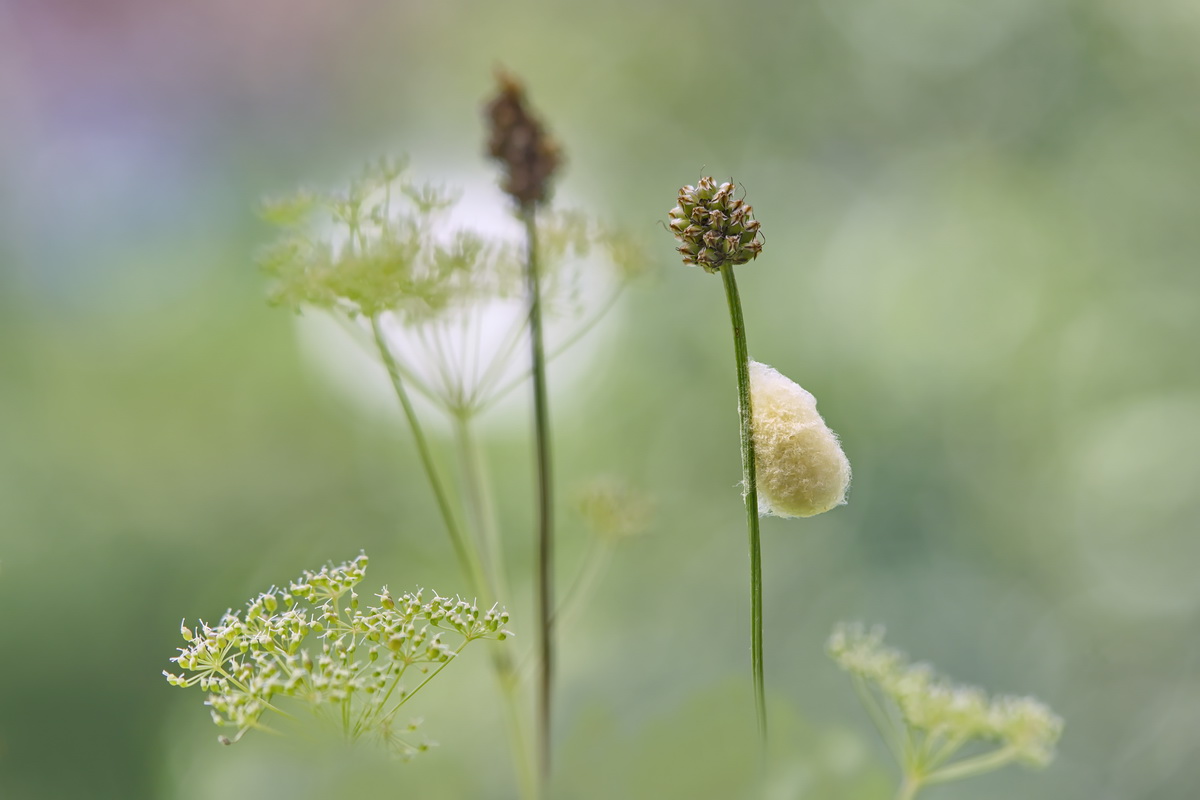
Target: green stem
x,y
468,559
881,719
509,679
480,507
482,513
545,537
750,486
430,676
594,562
969,767
372,349
471,566
908,788
583,330
944,751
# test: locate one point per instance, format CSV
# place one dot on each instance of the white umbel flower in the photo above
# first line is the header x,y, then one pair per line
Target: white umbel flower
x,y
801,469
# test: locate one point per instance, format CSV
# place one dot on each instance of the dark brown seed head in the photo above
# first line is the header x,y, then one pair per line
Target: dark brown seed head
x,y
519,142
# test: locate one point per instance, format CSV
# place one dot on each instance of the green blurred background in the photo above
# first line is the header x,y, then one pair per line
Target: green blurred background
x,y
981,250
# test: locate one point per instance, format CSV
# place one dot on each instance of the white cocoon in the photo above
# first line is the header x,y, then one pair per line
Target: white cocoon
x,y
801,469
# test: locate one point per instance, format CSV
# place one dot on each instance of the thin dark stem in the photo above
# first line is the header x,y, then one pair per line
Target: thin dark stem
x,y
545,534
750,487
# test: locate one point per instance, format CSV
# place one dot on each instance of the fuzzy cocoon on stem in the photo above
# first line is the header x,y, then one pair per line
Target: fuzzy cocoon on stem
x,y
801,469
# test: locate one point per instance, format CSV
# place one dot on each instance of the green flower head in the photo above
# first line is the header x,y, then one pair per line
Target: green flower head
x,y
936,718
713,227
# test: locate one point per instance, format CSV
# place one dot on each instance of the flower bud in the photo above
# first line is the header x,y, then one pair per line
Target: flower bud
x,y
713,227
801,469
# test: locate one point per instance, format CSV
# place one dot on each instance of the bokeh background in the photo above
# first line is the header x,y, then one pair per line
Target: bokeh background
x,y
981,249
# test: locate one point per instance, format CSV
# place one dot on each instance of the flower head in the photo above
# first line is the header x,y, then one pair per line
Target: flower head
x,y
801,469
377,247
316,643
713,227
931,706
518,140
450,300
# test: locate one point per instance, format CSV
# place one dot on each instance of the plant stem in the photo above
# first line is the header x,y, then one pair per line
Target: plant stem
x,y
545,537
750,487
509,679
908,788
482,512
480,507
969,767
594,562
468,559
880,717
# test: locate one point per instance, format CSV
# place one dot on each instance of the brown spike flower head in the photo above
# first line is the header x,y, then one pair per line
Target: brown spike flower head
x,y
519,142
713,227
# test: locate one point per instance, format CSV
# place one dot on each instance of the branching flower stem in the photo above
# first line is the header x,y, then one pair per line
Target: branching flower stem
x,y
472,566
583,330
545,528
468,558
481,510
921,773
478,498
750,488
908,788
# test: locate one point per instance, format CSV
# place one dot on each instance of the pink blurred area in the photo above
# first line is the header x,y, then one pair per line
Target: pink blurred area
x,y
132,128
74,56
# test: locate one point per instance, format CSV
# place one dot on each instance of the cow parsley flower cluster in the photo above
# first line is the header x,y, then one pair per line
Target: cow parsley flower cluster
x,y
927,720
447,302
316,643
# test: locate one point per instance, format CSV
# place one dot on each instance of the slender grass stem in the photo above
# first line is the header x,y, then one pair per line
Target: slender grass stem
x,y
750,488
545,527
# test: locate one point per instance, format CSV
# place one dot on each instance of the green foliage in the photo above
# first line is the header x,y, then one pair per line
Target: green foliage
x,y
247,662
